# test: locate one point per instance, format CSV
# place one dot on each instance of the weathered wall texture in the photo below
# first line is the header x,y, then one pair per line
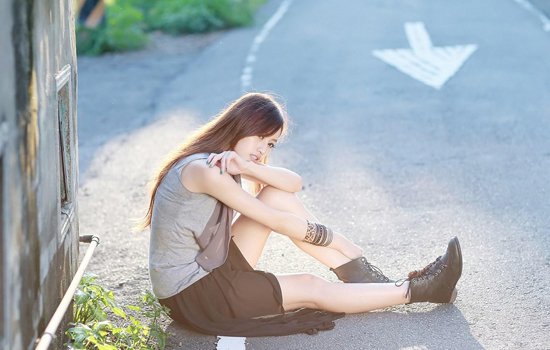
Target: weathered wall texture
x,y
39,232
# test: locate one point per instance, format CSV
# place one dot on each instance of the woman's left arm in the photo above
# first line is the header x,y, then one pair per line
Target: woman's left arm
x,y
277,177
280,178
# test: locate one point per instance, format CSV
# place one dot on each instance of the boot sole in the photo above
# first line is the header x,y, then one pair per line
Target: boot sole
x,y
460,256
454,293
453,296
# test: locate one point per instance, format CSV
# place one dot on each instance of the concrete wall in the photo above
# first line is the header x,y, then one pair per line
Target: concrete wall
x,y
39,228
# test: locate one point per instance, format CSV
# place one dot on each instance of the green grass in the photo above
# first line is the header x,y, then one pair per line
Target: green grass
x,y
127,22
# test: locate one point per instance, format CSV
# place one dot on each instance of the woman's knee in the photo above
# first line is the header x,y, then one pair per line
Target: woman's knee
x,y
302,290
276,197
313,285
315,282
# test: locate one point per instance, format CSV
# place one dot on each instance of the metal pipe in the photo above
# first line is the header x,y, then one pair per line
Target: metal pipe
x,y
51,328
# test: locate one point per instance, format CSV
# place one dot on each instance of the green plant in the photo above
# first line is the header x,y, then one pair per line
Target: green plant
x,y
195,16
92,329
234,12
125,29
122,30
128,21
184,16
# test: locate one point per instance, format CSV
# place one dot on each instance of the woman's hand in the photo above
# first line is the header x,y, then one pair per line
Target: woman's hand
x,y
228,161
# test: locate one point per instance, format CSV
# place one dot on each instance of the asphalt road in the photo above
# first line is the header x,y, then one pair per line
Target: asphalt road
x,y
396,165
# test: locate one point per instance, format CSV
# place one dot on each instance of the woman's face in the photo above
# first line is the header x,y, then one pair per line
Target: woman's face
x,y
256,148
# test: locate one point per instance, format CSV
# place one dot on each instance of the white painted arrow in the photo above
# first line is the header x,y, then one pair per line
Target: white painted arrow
x,y
431,65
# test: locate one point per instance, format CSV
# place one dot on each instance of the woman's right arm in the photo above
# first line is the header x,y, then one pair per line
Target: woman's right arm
x,y
199,177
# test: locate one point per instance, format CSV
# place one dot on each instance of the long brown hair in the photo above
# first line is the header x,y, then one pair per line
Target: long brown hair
x,y
253,114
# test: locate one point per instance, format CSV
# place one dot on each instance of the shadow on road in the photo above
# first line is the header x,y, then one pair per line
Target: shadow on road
x,y
183,338
441,327
119,93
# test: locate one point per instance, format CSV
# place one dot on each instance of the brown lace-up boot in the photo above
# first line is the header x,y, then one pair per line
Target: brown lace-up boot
x,y
360,271
436,282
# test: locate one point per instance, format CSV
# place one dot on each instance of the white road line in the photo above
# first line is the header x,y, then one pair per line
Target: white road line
x,y
246,76
541,16
231,343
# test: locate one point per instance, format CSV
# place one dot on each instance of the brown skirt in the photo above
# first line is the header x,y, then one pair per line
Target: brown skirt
x,y
236,300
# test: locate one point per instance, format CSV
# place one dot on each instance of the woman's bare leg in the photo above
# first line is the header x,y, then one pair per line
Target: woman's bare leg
x,y
251,236
310,291
290,202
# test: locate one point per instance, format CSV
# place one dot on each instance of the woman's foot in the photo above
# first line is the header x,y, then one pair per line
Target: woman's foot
x,y
360,271
436,282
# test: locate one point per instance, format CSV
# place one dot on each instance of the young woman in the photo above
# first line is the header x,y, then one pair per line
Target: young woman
x,y
202,261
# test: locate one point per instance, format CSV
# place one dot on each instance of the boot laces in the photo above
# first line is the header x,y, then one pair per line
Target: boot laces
x,y
371,268
425,272
422,274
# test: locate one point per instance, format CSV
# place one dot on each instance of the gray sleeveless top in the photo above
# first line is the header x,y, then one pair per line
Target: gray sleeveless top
x,y
189,233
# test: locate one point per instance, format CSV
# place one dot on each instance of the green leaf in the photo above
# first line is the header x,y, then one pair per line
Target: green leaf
x,y
134,308
140,330
119,312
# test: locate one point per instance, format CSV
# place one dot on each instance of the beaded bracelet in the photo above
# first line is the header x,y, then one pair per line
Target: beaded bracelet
x,y
318,234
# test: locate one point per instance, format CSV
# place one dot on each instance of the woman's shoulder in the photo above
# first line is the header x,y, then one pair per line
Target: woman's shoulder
x,y
192,158
196,172
190,161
